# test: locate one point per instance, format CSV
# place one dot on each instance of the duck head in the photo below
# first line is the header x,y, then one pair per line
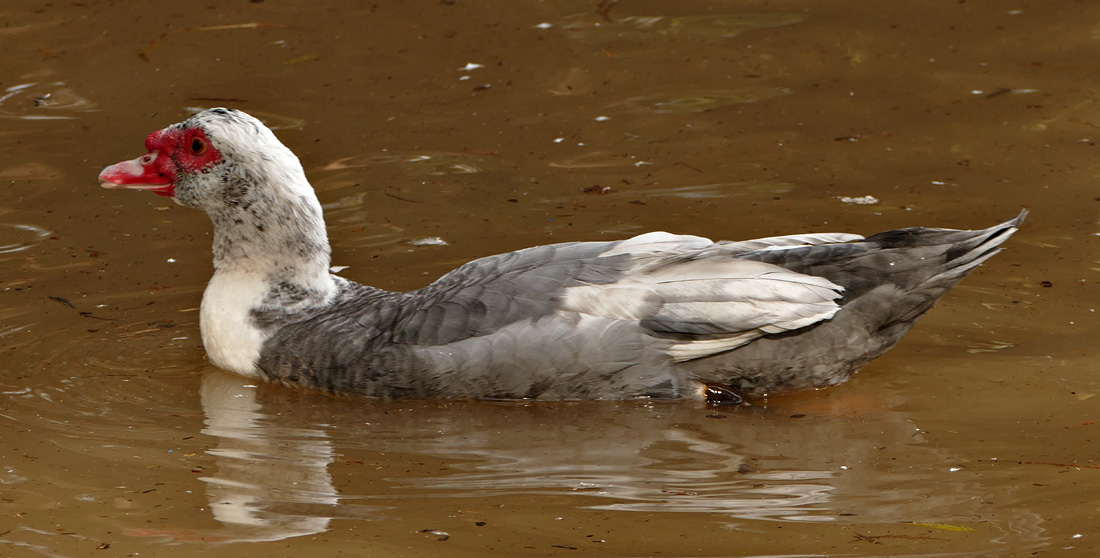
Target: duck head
x,y
211,161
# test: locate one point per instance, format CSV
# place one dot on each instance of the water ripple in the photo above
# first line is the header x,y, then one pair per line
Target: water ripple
x,y
18,237
42,101
425,163
594,27
701,101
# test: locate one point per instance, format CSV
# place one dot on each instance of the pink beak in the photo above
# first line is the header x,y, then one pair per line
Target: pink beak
x,y
139,174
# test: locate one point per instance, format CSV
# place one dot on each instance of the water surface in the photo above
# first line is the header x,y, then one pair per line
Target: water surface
x,y
499,125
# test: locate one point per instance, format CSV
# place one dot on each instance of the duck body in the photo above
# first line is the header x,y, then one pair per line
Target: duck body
x,y
658,315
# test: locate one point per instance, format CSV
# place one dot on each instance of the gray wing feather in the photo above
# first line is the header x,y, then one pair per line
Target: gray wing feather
x,y
705,298
618,320
506,311
487,294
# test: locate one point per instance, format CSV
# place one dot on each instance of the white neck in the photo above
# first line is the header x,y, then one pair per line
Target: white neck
x,y
271,262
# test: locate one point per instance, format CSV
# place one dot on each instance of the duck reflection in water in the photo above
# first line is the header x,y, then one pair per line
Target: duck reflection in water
x,y
271,482
274,450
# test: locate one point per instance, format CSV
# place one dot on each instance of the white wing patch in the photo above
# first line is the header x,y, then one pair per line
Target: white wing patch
x,y
689,350
659,244
712,303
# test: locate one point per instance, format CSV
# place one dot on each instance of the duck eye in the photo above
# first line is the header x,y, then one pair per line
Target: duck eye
x,y
197,146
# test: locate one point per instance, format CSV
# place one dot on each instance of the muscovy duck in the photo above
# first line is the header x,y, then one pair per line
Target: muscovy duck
x,y
658,315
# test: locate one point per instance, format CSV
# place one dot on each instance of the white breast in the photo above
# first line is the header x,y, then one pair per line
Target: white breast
x,y
231,339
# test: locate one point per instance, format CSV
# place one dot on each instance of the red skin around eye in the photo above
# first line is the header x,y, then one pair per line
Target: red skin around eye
x,y
172,152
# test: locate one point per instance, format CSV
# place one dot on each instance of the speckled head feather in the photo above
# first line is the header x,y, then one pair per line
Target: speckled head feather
x,y
246,154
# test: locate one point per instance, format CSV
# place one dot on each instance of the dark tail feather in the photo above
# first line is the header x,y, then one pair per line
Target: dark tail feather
x,y
975,251
968,250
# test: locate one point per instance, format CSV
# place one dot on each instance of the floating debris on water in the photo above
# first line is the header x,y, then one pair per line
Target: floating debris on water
x,y
860,200
428,241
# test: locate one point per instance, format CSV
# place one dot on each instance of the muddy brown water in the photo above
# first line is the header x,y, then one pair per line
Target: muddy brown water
x,y
976,436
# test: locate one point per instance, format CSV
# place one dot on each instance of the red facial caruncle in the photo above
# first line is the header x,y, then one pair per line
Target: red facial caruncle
x,y
172,152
